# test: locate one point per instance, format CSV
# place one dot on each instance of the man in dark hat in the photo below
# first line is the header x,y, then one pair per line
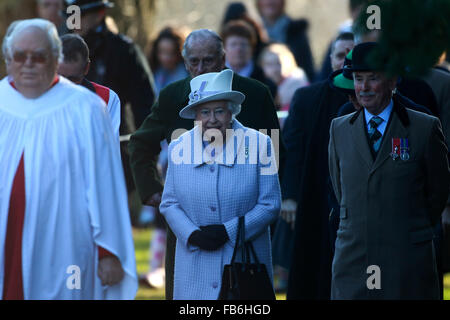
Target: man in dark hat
x,y
119,64
390,174
342,80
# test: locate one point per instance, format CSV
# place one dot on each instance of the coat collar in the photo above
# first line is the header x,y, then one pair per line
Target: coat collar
x,y
239,146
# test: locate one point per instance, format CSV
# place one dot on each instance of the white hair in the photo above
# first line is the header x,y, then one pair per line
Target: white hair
x,y
17,27
203,35
234,109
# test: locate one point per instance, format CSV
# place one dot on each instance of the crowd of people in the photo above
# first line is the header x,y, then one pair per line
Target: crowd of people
x,y
339,173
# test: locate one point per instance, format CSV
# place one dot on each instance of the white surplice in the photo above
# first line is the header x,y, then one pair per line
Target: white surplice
x,y
76,199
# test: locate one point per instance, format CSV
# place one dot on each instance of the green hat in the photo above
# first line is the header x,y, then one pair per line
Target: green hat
x,y
342,80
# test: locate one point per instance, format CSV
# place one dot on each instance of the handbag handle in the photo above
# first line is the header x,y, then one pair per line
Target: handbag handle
x,y
247,246
251,252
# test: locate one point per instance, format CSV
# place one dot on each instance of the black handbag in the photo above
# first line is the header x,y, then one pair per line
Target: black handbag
x,y
245,280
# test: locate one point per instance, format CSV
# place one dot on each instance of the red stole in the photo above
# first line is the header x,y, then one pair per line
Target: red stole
x,y
101,91
12,285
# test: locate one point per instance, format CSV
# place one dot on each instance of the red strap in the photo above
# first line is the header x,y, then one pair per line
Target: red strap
x,y
12,284
101,91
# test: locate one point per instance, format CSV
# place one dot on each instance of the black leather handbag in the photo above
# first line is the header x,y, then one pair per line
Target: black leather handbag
x,y
245,280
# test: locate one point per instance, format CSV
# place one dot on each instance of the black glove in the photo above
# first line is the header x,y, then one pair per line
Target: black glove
x,y
216,232
210,237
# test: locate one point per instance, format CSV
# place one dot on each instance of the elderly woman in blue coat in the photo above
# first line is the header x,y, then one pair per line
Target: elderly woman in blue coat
x,y
218,172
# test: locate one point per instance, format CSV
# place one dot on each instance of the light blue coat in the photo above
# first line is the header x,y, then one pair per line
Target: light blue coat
x,y
201,194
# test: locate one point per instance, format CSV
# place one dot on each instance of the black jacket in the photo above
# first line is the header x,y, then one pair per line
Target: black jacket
x,y
119,64
306,135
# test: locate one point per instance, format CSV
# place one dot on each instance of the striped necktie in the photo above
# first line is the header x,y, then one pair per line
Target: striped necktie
x,y
375,135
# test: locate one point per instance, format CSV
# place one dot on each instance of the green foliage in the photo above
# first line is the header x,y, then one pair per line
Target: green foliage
x,y
413,35
141,246
447,286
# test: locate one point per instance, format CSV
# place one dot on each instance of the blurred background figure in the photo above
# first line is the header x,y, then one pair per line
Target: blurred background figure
x,y
279,65
165,58
166,61
53,11
238,11
239,42
281,28
354,9
76,65
306,128
118,63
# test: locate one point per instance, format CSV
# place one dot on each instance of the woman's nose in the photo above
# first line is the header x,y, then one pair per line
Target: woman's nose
x,y
212,117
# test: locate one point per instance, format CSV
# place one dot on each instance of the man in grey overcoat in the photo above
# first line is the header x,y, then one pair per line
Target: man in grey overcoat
x,y
390,174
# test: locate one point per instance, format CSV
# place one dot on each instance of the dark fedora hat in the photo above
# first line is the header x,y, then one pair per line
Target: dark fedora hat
x,y
360,54
87,5
342,79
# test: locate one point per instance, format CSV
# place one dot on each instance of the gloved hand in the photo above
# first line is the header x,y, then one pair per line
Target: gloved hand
x,y
210,237
216,232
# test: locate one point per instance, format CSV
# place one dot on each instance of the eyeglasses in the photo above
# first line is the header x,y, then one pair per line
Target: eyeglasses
x,y
36,57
